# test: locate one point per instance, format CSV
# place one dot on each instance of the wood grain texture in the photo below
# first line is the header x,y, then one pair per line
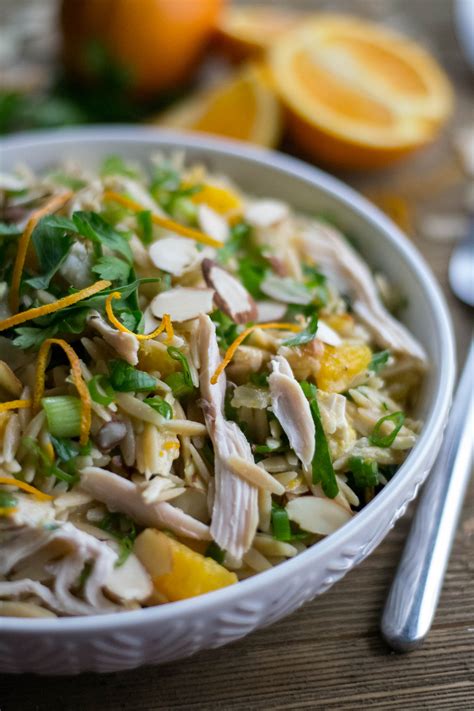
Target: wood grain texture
x,y
329,655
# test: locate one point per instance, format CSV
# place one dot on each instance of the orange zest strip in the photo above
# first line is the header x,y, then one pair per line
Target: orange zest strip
x,y
7,510
168,328
165,222
11,481
14,405
55,306
229,354
81,386
52,205
165,324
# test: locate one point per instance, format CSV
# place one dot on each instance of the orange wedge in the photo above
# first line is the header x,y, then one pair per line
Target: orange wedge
x,y
357,94
249,31
244,108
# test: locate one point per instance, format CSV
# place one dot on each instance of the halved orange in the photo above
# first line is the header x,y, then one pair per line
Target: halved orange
x,y
249,31
357,94
245,108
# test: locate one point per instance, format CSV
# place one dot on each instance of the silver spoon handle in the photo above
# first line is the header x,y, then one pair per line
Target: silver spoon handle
x,y
413,597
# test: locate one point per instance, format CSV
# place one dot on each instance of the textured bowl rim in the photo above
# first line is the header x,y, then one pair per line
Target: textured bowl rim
x,y
388,497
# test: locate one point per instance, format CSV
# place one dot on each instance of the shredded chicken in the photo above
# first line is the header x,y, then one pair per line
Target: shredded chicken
x,y
328,248
120,494
125,344
292,410
235,506
63,551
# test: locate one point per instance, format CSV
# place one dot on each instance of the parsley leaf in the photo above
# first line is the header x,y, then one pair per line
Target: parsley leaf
x,y
112,268
52,244
125,378
252,273
95,228
307,335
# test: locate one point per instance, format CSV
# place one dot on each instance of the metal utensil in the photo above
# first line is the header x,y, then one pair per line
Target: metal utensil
x,y
413,597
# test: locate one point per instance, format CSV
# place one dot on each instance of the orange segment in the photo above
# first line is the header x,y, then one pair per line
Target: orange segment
x,y
339,366
177,571
244,108
357,94
249,31
222,200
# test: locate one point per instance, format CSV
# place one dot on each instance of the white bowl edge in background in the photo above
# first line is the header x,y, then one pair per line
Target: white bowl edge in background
x,y
169,632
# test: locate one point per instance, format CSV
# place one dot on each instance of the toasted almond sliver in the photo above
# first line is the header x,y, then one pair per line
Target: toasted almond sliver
x,y
9,381
255,475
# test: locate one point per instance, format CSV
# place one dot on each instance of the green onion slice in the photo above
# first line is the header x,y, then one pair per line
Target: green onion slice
x,y
379,440
63,413
161,406
281,524
101,390
364,471
322,468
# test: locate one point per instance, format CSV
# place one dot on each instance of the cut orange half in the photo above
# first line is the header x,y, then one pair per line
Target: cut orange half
x,y
249,31
244,108
357,94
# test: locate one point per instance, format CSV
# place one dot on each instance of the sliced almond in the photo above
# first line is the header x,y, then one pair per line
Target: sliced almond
x,y
285,289
183,303
270,311
9,381
265,213
174,255
213,224
327,335
230,295
317,515
129,581
255,475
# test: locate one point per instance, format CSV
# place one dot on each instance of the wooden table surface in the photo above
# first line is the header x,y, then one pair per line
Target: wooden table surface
x,y
329,654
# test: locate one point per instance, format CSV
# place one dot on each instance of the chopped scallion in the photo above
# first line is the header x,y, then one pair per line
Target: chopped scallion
x,y
160,406
322,468
380,440
63,414
100,390
281,524
364,471
180,383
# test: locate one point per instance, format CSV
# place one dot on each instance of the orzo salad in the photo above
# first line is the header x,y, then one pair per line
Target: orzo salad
x,y
195,385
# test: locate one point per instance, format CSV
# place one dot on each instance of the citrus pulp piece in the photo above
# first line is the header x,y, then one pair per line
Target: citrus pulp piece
x,y
244,108
339,366
357,94
177,571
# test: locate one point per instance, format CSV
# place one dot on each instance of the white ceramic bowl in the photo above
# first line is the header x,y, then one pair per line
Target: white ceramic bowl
x,y
161,634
